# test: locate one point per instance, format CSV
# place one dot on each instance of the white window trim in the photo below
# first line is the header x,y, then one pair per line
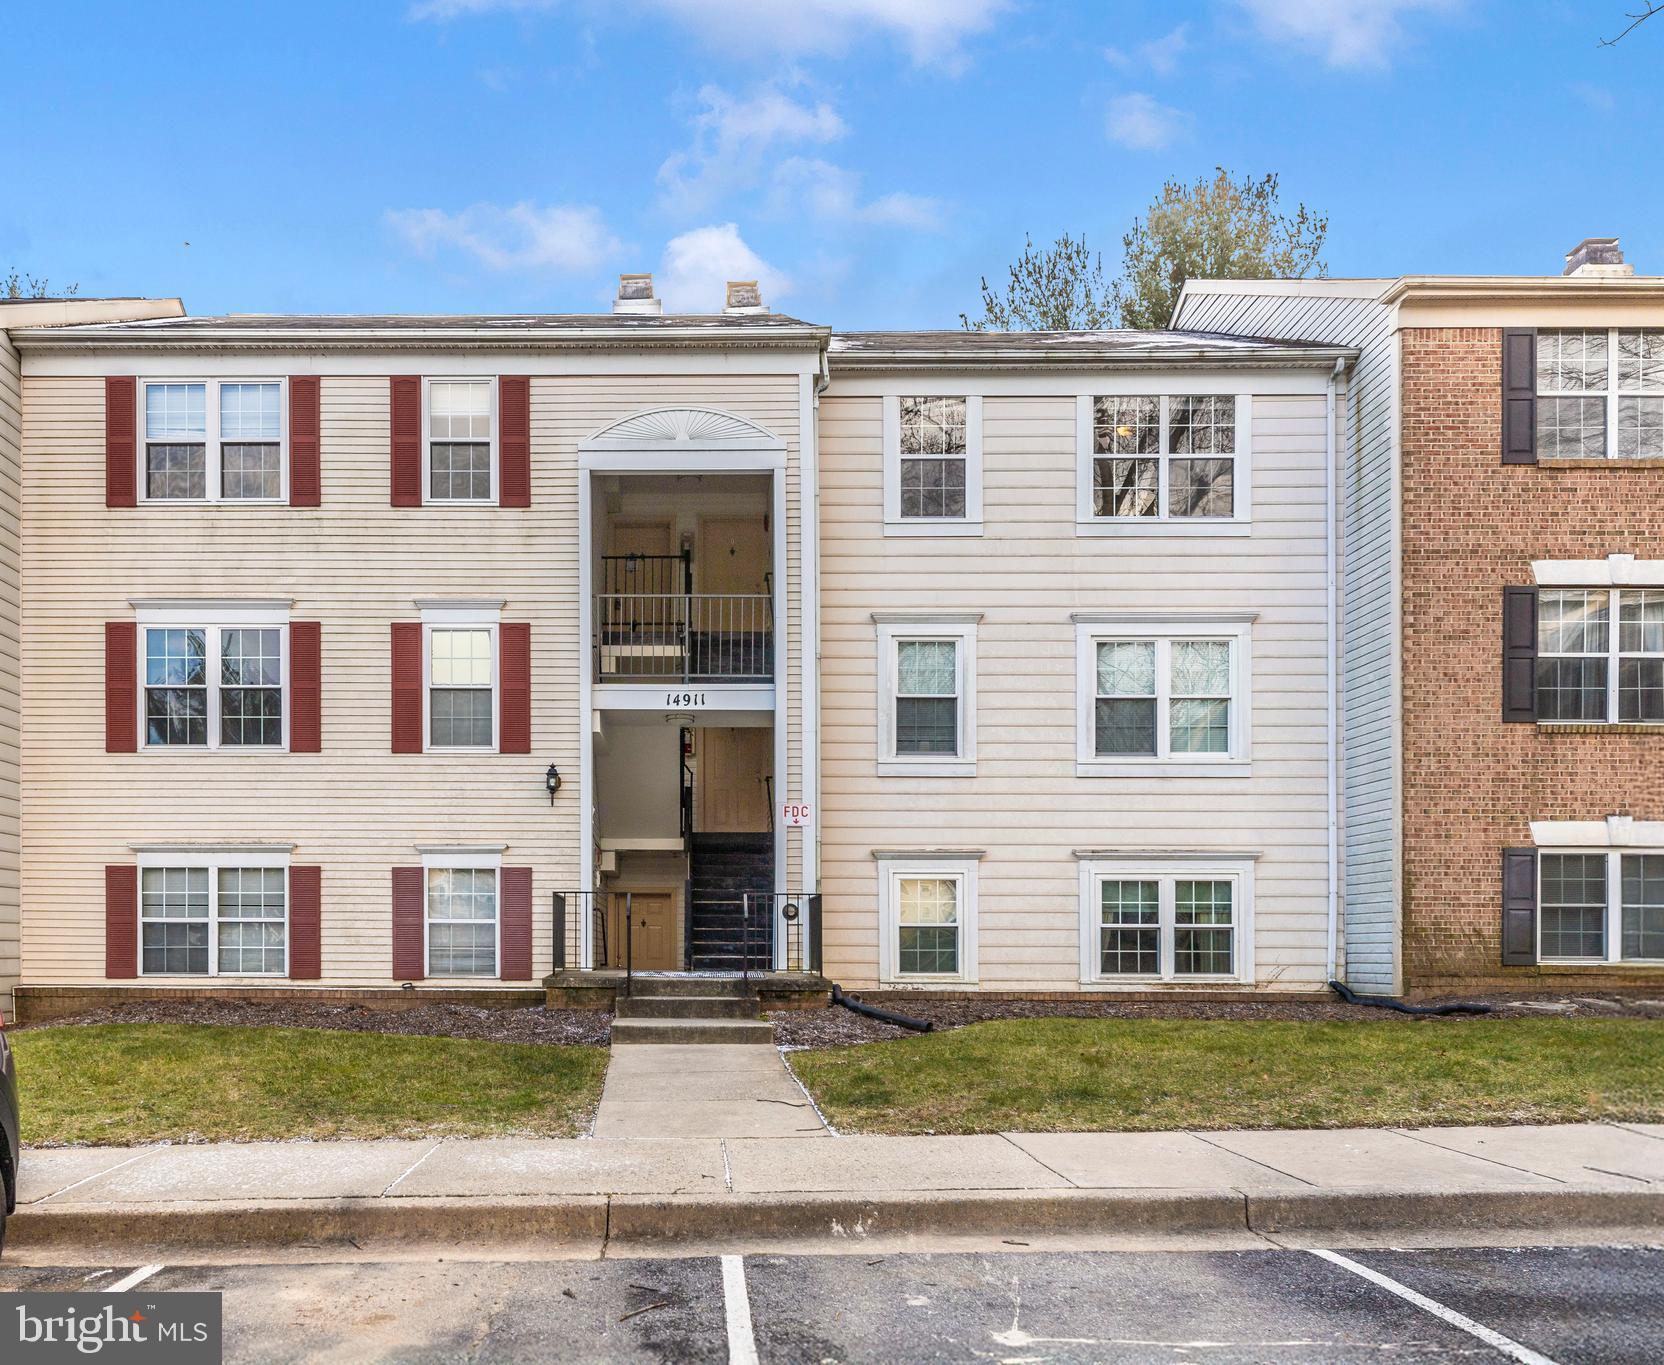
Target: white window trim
x,y
962,632
476,859
460,616
428,500
215,470
894,523
213,618
1239,523
1614,853
1611,395
1090,628
958,867
1615,571
1166,871
1614,654
213,857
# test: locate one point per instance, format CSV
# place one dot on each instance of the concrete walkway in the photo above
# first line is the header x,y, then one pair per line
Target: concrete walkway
x,y
709,1090
584,1195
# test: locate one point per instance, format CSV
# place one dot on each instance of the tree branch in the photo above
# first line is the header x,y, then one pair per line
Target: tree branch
x,y
1635,22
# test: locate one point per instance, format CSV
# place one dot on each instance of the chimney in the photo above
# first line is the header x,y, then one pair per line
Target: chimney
x,y
1597,258
743,299
635,295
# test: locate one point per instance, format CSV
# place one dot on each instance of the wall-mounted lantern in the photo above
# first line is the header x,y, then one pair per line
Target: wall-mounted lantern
x,y
551,780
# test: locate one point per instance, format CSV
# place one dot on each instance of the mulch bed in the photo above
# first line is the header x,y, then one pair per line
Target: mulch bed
x,y
836,1027
532,1024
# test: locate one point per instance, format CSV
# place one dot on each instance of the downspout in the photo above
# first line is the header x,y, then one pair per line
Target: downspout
x,y
1332,701
811,621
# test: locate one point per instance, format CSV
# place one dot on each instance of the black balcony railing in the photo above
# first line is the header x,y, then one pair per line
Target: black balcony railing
x,y
684,637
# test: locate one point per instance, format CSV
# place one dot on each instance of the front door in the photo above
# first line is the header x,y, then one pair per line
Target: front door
x,y
734,763
733,555
652,930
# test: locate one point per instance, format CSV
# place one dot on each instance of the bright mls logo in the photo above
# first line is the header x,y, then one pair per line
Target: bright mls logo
x,y
135,1329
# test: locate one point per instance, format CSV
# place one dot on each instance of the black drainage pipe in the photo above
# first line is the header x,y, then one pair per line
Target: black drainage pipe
x,y
886,1016
1388,1003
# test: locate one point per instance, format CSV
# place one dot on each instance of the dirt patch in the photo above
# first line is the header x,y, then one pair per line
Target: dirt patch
x,y
533,1024
837,1027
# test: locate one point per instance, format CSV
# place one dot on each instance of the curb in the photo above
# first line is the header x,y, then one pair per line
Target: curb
x,y
832,1220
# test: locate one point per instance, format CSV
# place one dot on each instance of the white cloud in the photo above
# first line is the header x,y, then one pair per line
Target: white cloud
x,y
568,239
1144,124
731,137
931,31
819,190
1343,32
698,264
1159,55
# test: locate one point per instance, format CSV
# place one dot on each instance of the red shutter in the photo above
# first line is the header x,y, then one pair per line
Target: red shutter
x,y
121,687
121,921
516,927
407,687
305,420
514,441
305,923
408,955
405,414
306,696
514,673
121,442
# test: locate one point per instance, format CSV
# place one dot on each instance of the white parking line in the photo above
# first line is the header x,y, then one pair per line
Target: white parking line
x,y
126,1282
742,1345
1507,1345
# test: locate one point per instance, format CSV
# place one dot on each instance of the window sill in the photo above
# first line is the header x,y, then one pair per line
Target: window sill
x,y
1599,727
1155,526
460,749
945,767
1153,983
927,983
459,502
214,502
933,528
1567,966
1631,462
202,750
1163,768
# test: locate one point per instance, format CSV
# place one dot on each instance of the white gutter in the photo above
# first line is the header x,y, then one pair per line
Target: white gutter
x,y
1332,700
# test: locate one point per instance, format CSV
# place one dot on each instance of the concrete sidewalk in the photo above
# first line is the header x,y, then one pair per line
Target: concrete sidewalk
x,y
712,1090
581,1196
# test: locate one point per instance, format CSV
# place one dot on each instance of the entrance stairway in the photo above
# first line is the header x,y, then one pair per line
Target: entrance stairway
x,y
723,868
689,1009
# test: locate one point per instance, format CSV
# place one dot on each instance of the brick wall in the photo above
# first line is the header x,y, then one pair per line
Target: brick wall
x,y
1472,525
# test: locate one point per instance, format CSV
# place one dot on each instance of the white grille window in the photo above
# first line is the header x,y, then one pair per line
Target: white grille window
x,y
460,445
1600,394
1600,655
1181,919
1155,697
462,921
927,701
214,686
1149,459
214,919
927,918
462,687
933,464
213,442
1600,906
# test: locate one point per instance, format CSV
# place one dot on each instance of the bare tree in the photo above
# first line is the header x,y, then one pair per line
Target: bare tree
x,y
18,286
1636,19
1059,289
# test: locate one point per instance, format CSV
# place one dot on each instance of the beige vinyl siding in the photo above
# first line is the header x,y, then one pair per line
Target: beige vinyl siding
x,y
355,564
11,430
1025,808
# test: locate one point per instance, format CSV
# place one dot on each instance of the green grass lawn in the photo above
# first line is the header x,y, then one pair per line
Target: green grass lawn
x,y
121,1083
1066,1075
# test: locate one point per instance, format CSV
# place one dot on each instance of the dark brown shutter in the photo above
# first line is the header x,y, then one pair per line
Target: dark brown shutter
x,y
514,674
121,921
1519,907
121,442
407,687
405,414
1519,396
1519,654
305,687
305,923
514,441
121,687
408,955
305,421
516,928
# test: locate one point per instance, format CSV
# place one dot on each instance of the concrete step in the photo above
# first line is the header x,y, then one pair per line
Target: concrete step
x,y
686,1007
692,1031
648,987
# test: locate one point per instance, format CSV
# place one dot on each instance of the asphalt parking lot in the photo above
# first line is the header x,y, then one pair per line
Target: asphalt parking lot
x,y
1576,1304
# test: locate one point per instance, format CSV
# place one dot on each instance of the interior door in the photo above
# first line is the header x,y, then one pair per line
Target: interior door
x,y
734,555
734,763
652,940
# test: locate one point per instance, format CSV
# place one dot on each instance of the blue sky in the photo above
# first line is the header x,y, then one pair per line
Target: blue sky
x,y
869,159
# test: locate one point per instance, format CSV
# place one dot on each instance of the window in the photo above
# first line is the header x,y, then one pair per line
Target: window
x,y
462,687
215,686
1165,920
927,708
927,908
1589,671
461,919
212,918
1162,463
1601,907
213,442
1162,697
460,446
1600,394
933,465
